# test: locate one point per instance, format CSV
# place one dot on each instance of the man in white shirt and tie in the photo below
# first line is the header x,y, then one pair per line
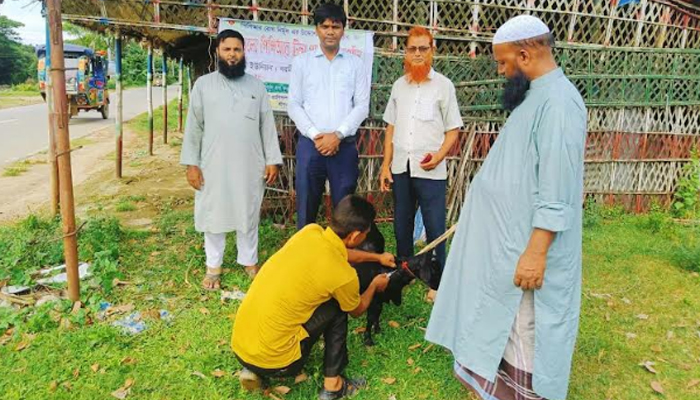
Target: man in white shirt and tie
x,y
328,100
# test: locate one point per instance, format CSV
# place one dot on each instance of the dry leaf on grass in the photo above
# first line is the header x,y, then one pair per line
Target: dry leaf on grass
x,y
272,396
649,366
22,345
392,397
95,367
204,311
360,329
123,391
117,282
630,335
657,387
642,316
6,337
417,370
76,373
217,373
693,383
427,348
128,361
669,335
199,374
389,381
125,308
300,378
415,346
656,348
410,361
394,324
282,389
53,386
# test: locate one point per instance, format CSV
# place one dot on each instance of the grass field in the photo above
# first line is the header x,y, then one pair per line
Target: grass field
x,y
640,305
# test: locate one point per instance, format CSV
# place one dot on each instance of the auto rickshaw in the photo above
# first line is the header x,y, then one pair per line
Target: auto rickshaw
x,y
86,79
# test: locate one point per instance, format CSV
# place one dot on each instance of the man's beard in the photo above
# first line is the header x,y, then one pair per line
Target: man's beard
x,y
417,73
514,91
234,71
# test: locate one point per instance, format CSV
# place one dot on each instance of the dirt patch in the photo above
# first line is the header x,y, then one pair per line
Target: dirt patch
x,y
147,181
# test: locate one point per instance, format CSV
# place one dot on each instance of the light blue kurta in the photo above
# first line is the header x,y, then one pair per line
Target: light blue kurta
x,y
532,178
231,135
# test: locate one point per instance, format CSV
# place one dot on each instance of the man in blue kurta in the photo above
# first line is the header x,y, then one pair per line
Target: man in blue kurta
x,y
509,301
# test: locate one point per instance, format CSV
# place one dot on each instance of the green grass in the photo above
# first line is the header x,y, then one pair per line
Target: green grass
x,y
19,167
139,124
630,268
83,141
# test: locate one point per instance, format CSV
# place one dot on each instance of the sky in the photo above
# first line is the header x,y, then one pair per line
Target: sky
x,y
27,12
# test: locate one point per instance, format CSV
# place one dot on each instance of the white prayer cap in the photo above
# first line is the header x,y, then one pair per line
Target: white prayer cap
x,y
520,28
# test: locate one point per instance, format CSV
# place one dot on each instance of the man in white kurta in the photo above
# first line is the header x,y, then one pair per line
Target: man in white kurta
x,y
509,301
231,150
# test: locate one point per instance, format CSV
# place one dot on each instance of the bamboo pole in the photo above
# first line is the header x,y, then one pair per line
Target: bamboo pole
x,y
120,97
53,173
179,97
70,243
165,98
149,96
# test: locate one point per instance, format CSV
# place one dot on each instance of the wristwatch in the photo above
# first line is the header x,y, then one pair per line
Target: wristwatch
x,y
339,135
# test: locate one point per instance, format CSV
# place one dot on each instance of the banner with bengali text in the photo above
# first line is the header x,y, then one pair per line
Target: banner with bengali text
x,y
270,48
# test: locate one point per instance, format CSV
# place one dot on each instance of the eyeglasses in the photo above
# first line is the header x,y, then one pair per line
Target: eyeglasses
x,y
421,49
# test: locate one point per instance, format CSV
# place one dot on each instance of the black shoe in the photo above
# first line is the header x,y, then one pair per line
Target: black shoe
x,y
349,388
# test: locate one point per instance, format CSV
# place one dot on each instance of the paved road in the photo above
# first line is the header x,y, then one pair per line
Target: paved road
x,y
23,130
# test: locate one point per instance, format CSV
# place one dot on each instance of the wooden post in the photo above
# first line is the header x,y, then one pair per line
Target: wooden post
x,y
179,98
53,177
305,12
118,120
395,26
189,81
149,96
70,242
165,98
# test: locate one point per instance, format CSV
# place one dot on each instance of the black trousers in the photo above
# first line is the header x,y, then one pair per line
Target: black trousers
x,y
331,322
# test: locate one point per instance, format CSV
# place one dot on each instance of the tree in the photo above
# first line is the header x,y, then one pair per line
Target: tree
x,y
17,61
87,38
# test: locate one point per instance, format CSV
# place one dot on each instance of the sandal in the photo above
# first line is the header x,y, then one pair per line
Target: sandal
x,y
252,271
349,388
213,278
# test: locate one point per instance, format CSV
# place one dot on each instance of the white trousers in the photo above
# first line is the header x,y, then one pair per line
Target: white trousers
x,y
246,244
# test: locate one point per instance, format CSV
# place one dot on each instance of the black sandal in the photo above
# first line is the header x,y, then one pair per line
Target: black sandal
x,y
348,389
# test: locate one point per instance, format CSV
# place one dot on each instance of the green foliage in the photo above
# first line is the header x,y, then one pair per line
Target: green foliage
x,y
687,256
687,197
17,61
656,220
30,86
106,269
86,37
35,243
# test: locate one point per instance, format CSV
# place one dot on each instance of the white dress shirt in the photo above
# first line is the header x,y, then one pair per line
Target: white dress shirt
x,y
421,114
328,95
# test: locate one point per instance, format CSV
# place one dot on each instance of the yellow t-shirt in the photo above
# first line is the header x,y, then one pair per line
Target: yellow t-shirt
x,y
309,270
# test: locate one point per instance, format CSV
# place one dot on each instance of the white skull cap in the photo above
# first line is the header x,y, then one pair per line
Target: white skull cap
x,y
520,28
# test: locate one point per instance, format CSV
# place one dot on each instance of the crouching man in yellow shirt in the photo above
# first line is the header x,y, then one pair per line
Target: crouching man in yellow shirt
x,y
305,290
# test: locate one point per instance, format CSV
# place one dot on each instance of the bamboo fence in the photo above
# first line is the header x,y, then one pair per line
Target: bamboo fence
x,y
637,67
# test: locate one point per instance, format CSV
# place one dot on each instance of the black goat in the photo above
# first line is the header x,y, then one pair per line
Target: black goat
x,y
425,267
